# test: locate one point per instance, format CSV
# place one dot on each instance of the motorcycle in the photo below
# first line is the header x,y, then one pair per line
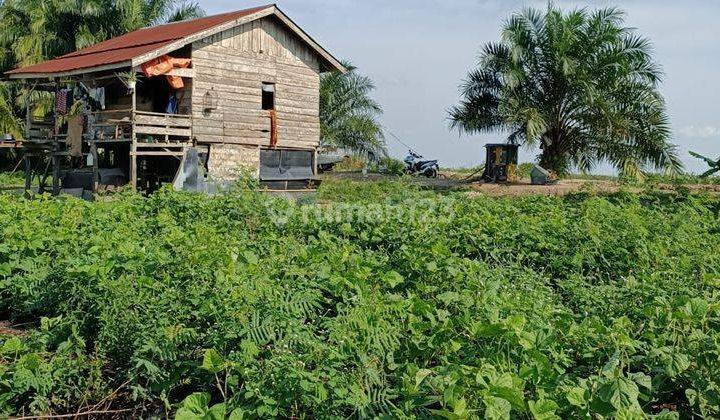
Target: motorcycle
x,y
415,165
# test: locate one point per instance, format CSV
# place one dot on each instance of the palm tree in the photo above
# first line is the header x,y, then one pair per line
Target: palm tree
x,y
348,115
9,122
37,30
135,14
579,85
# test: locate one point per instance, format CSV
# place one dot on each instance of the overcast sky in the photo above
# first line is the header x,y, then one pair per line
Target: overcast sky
x,y
418,52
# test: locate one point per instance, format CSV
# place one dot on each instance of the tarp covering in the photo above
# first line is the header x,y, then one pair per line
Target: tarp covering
x,y
286,165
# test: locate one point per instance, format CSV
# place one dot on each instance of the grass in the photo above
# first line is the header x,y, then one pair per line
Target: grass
x,y
8,179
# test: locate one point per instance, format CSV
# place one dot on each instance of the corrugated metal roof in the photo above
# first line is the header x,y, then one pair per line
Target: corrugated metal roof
x,y
134,44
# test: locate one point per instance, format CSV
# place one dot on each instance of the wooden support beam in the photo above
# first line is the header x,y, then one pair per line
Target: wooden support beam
x,y
188,73
96,175
165,145
163,121
28,172
162,131
56,149
133,145
157,153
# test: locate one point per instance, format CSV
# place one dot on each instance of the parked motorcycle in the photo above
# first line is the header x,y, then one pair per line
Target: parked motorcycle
x,y
416,165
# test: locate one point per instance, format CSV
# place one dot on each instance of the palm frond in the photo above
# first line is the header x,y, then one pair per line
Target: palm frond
x,y
348,114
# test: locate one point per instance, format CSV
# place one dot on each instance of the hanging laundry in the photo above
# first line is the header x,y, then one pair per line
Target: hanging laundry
x,y
74,136
157,66
175,82
181,63
164,65
98,95
61,102
172,106
90,126
273,128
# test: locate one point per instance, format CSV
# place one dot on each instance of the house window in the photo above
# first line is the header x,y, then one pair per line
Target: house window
x,y
268,96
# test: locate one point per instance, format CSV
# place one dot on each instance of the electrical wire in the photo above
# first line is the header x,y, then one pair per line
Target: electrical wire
x,y
396,138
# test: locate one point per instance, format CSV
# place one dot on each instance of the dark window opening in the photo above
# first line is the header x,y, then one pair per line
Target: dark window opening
x,y
268,96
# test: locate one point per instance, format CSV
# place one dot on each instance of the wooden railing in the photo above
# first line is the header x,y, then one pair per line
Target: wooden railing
x,y
112,125
154,124
39,130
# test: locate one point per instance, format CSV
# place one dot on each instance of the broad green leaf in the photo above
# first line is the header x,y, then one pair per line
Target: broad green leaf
x,y
496,408
393,279
212,361
620,393
576,396
196,403
216,412
460,409
421,375
513,395
185,414
543,409
250,257
641,379
237,414
630,413
677,364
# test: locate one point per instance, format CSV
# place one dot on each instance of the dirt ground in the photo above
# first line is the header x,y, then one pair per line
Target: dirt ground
x,y
7,329
458,182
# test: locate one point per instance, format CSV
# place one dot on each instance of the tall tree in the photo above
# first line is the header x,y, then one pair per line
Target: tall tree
x,y
348,115
9,122
580,85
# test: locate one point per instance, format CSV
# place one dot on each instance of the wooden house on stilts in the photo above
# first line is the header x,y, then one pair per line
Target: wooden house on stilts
x,y
240,90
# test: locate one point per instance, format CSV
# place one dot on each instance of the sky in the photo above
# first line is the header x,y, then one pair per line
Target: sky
x,y
418,52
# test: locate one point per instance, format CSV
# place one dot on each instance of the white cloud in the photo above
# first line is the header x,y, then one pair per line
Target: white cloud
x,y
699,132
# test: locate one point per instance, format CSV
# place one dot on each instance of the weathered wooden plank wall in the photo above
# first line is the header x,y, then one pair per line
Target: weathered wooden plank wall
x,y
234,64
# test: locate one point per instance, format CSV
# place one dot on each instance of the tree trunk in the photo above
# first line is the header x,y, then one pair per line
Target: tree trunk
x,y
553,157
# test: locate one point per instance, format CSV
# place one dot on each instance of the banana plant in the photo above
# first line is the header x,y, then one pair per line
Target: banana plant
x,y
714,164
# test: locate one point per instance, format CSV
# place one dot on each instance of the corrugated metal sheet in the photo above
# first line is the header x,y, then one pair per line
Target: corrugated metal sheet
x,y
133,44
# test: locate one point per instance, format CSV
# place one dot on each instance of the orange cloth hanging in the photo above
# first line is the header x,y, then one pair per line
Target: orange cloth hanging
x,y
164,65
157,66
176,82
181,63
273,128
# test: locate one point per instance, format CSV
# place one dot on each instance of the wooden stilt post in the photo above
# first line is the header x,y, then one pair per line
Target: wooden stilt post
x,y
28,172
314,162
94,154
55,154
133,145
56,168
26,156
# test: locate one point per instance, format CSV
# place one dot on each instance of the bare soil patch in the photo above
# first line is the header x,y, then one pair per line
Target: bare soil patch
x,y
455,181
7,329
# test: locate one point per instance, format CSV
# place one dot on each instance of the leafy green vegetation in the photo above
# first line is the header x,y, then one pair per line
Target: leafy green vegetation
x,y
380,300
15,179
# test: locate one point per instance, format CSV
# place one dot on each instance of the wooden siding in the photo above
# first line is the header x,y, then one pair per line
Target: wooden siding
x,y
234,64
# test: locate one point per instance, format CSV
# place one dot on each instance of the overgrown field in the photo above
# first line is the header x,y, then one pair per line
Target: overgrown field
x,y
373,300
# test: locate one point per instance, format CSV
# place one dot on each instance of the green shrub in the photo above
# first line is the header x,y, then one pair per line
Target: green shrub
x,y
523,170
381,301
390,166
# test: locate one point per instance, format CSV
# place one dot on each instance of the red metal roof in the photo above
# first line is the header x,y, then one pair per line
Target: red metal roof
x,y
131,45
